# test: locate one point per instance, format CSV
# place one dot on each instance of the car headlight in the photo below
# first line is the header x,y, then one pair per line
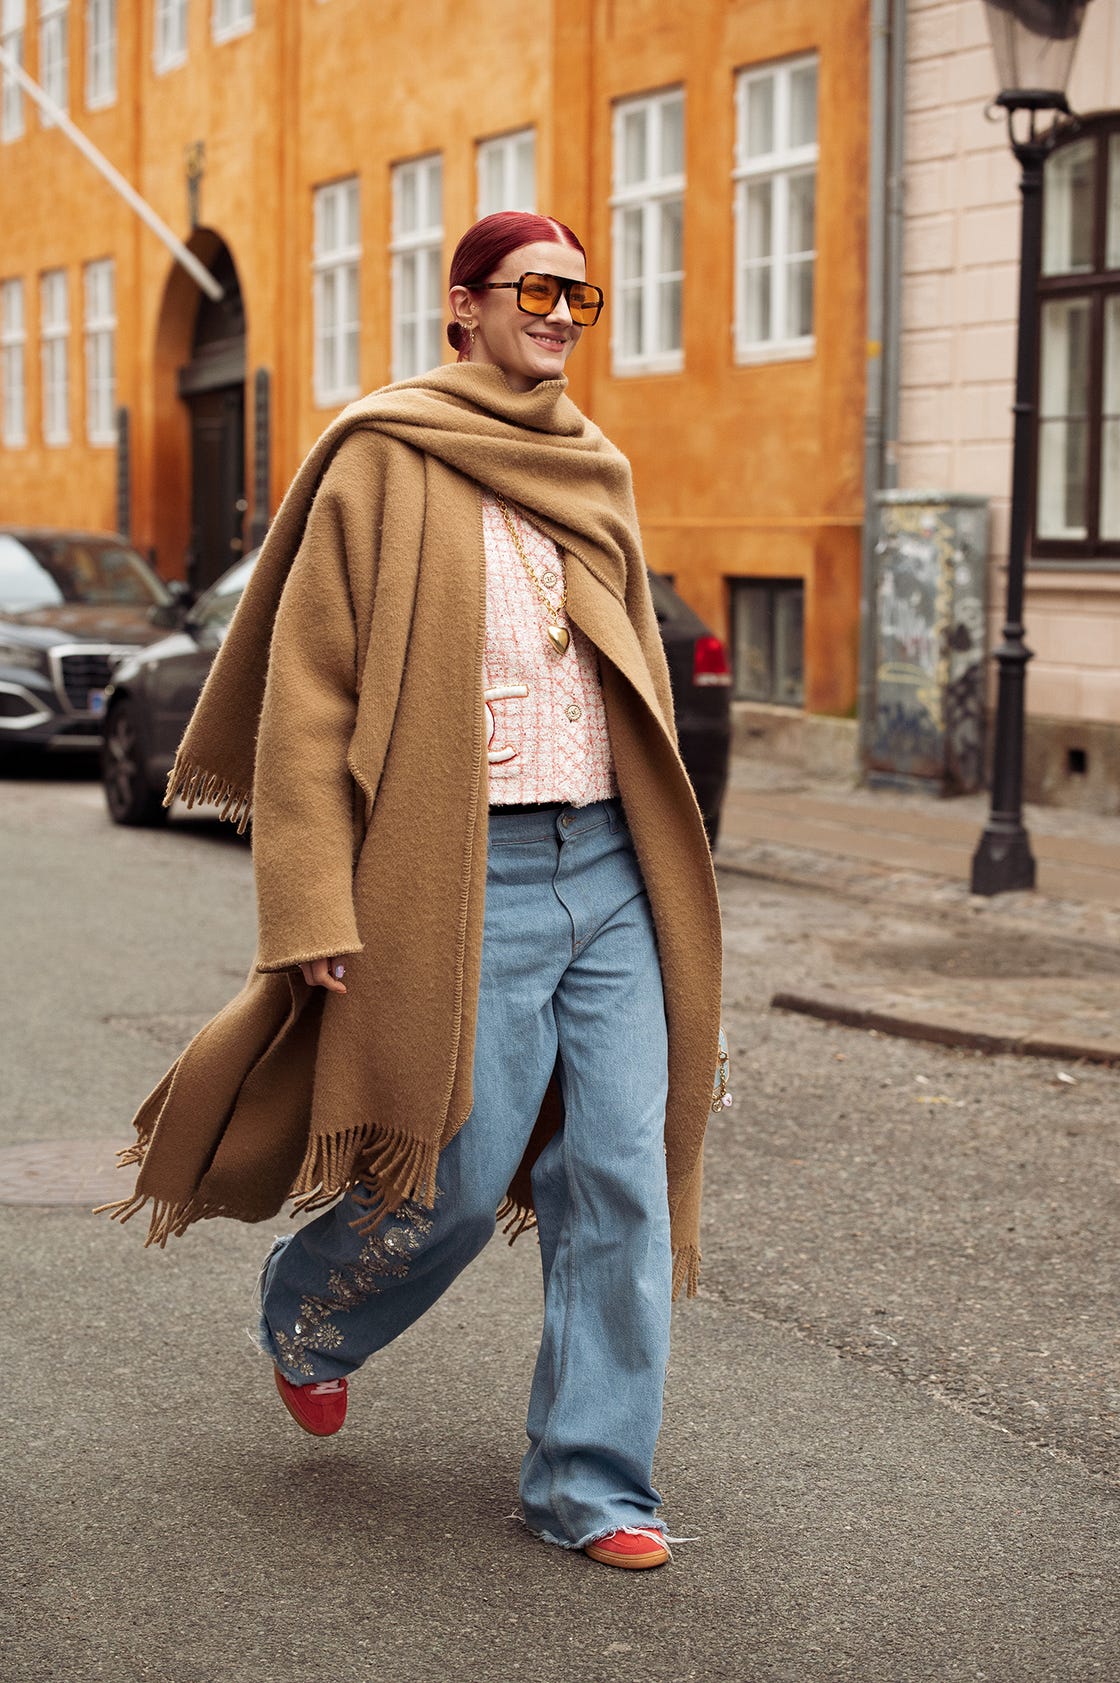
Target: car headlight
x,y
23,654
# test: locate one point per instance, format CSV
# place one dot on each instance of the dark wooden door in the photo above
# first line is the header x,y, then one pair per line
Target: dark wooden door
x,y
217,482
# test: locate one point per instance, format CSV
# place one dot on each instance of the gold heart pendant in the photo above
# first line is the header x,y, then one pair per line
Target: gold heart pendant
x,y
559,638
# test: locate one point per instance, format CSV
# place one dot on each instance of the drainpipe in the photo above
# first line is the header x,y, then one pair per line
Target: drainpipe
x,y
892,289
886,110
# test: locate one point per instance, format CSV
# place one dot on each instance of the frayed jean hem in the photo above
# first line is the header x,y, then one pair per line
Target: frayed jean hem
x,y
655,1526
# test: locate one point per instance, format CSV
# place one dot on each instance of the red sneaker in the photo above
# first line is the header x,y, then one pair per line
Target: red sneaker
x,y
633,1549
319,1409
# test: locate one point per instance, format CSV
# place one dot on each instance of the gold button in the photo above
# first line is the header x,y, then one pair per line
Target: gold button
x,y
574,712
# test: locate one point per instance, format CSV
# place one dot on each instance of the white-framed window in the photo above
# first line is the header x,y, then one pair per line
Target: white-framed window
x,y
776,156
1077,470
101,338
13,363
170,46
1063,419
507,172
417,266
335,257
54,351
13,20
647,227
1110,423
54,53
229,18
101,53
1068,209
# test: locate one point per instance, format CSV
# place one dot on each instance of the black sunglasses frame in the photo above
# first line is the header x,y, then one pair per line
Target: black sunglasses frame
x,y
563,282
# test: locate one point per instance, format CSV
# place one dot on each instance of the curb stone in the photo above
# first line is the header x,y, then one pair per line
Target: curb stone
x,y
833,1008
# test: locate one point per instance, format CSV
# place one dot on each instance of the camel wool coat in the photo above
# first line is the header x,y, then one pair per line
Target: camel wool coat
x,y
345,712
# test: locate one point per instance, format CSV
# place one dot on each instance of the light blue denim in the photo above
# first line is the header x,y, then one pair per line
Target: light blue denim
x,y
569,968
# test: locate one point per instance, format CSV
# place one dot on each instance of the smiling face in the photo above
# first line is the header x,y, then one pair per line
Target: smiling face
x,y
526,348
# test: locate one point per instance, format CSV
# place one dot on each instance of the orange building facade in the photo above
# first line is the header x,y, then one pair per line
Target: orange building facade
x,y
322,157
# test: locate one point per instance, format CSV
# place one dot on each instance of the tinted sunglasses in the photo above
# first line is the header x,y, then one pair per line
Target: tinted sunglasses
x,y
538,295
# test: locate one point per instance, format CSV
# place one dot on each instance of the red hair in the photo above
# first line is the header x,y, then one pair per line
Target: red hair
x,y
489,241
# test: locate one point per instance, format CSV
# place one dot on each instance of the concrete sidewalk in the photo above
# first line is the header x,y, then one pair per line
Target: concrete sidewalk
x,y
1035,973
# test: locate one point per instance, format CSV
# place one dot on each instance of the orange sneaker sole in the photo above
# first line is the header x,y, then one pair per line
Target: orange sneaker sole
x,y
630,1562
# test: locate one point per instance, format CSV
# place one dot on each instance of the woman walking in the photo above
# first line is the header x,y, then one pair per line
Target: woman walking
x,y
488,969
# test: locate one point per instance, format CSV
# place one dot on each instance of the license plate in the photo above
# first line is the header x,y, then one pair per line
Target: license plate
x,y
95,702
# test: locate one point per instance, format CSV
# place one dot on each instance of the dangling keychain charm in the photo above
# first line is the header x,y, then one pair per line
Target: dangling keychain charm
x,y
721,1097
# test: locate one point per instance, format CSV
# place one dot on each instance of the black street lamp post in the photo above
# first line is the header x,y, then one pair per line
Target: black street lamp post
x,y
1034,43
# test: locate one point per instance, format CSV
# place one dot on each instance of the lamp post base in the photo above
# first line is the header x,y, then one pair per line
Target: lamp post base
x,y
1003,861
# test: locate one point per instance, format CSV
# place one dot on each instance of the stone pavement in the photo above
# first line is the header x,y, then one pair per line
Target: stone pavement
x,y
984,989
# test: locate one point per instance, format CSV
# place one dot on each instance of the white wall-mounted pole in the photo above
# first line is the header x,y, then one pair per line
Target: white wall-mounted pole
x,y
197,271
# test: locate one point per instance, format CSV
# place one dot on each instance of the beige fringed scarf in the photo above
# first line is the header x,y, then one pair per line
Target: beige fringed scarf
x,y
344,711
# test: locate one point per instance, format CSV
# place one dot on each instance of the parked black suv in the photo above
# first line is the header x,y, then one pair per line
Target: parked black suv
x,y
71,605
154,690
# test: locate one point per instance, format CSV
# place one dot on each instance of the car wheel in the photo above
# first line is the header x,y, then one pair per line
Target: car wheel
x,y
128,794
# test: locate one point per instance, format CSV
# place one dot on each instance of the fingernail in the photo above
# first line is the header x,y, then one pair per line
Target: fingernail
x,y
339,972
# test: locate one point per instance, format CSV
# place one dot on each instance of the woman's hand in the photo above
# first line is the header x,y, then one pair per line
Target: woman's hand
x,y
324,973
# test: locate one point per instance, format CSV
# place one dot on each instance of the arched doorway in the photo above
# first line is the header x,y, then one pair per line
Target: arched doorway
x,y
192,478
212,385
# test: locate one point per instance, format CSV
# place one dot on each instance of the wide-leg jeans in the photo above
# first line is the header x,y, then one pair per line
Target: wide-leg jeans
x,y
570,978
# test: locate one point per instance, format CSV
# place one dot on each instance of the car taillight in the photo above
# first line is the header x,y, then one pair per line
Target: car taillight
x,y
709,663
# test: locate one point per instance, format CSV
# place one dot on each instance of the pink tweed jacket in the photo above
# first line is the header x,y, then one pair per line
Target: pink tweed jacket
x,y
548,738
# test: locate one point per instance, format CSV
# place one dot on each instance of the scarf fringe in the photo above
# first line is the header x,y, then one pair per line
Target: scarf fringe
x,y
686,1271
195,786
386,1169
168,1220
519,1218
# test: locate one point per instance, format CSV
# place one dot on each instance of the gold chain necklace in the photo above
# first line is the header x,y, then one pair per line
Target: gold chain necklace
x,y
557,634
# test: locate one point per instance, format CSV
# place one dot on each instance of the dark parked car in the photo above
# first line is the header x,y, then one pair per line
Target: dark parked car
x,y
152,696
153,692
701,680
71,605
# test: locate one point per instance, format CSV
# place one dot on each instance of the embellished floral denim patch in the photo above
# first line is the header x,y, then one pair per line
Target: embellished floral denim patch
x,y
385,1255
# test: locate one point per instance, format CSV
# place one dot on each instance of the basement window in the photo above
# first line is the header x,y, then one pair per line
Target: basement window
x,y
768,640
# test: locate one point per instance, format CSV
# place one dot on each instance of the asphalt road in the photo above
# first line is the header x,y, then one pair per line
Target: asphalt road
x,y
893,1414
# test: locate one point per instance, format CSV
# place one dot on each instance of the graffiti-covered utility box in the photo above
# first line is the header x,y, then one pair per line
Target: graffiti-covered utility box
x,y
931,556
